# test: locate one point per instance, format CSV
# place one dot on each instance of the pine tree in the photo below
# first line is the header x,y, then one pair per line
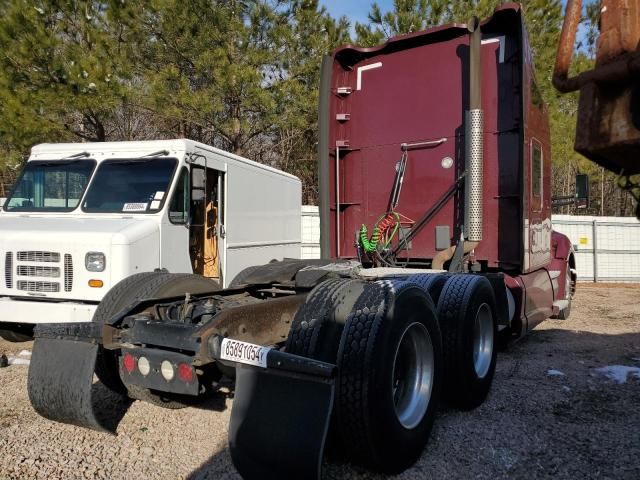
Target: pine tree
x,y
61,70
308,34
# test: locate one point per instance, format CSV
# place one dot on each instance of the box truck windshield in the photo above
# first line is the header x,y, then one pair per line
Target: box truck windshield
x,y
50,186
132,186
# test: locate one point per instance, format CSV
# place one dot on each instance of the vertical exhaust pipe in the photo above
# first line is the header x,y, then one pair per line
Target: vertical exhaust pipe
x,y
474,159
474,141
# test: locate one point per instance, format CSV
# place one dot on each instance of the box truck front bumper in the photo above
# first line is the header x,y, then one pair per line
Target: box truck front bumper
x,y
34,312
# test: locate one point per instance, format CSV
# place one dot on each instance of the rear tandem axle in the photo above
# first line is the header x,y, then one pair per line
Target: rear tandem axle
x,y
363,359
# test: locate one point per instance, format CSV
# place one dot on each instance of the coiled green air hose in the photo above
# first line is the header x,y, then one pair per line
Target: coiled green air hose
x,y
369,245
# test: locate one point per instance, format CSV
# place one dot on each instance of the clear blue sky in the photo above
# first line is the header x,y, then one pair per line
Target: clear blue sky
x,y
354,10
357,10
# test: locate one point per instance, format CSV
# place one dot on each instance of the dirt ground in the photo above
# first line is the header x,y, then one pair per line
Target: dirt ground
x,y
551,413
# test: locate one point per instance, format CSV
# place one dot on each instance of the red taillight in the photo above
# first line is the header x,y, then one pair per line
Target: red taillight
x,y
129,362
185,372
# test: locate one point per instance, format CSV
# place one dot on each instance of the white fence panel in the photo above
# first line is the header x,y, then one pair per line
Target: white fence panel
x,y
310,232
607,248
615,240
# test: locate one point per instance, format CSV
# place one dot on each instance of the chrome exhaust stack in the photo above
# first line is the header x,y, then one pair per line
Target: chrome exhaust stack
x,y
474,141
474,160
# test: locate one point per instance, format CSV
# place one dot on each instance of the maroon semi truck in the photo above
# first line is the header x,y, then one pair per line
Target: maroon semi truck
x,y
437,240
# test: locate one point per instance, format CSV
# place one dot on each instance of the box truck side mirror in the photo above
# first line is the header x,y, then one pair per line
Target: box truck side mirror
x,y
198,178
580,199
582,191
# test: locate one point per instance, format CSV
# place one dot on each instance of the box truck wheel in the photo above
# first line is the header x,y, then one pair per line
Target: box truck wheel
x,y
467,314
121,294
389,370
175,284
433,283
18,333
125,292
170,285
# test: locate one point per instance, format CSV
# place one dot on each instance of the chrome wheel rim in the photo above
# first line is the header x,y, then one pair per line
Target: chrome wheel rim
x,y
568,290
412,381
483,340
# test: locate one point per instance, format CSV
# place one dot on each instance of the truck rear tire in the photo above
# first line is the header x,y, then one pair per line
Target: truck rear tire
x,y
467,314
240,278
124,293
433,283
389,374
315,331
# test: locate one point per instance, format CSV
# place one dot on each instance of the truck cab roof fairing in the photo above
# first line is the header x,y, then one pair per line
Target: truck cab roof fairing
x,y
503,14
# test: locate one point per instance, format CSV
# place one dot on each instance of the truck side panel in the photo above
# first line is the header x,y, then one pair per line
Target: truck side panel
x,y
537,171
262,217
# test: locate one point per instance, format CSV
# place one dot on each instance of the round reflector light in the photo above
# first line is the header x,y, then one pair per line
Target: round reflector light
x,y
185,372
446,162
143,366
166,369
129,362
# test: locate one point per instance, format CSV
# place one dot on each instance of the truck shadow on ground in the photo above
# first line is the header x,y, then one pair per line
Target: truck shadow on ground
x,y
549,395
110,407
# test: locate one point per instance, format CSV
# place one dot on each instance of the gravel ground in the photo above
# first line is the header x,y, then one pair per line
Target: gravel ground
x,y
551,413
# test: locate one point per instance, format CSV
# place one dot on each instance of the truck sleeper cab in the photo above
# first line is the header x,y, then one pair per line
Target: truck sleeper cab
x,y
438,142
82,217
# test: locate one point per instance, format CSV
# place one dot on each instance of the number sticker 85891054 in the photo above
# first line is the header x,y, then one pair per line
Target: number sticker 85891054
x,y
243,352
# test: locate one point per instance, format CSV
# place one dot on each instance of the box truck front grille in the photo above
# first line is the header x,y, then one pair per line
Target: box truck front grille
x,y
8,270
38,271
68,272
34,286
34,256
24,268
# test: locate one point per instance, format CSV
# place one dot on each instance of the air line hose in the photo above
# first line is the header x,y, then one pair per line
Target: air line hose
x,y
386,223
369,245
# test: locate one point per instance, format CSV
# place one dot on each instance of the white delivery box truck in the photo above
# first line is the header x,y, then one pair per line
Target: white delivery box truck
x,y
82,217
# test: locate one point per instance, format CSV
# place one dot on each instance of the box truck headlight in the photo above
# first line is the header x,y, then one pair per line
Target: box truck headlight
x,y
95,261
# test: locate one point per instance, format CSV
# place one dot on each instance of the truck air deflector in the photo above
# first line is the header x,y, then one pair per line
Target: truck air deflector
x,y
60,383
279,423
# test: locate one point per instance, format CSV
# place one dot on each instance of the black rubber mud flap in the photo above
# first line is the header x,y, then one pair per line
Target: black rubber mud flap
x,y
279,423
60,383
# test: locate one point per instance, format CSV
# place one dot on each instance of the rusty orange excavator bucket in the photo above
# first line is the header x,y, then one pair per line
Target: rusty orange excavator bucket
x,y
608,128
